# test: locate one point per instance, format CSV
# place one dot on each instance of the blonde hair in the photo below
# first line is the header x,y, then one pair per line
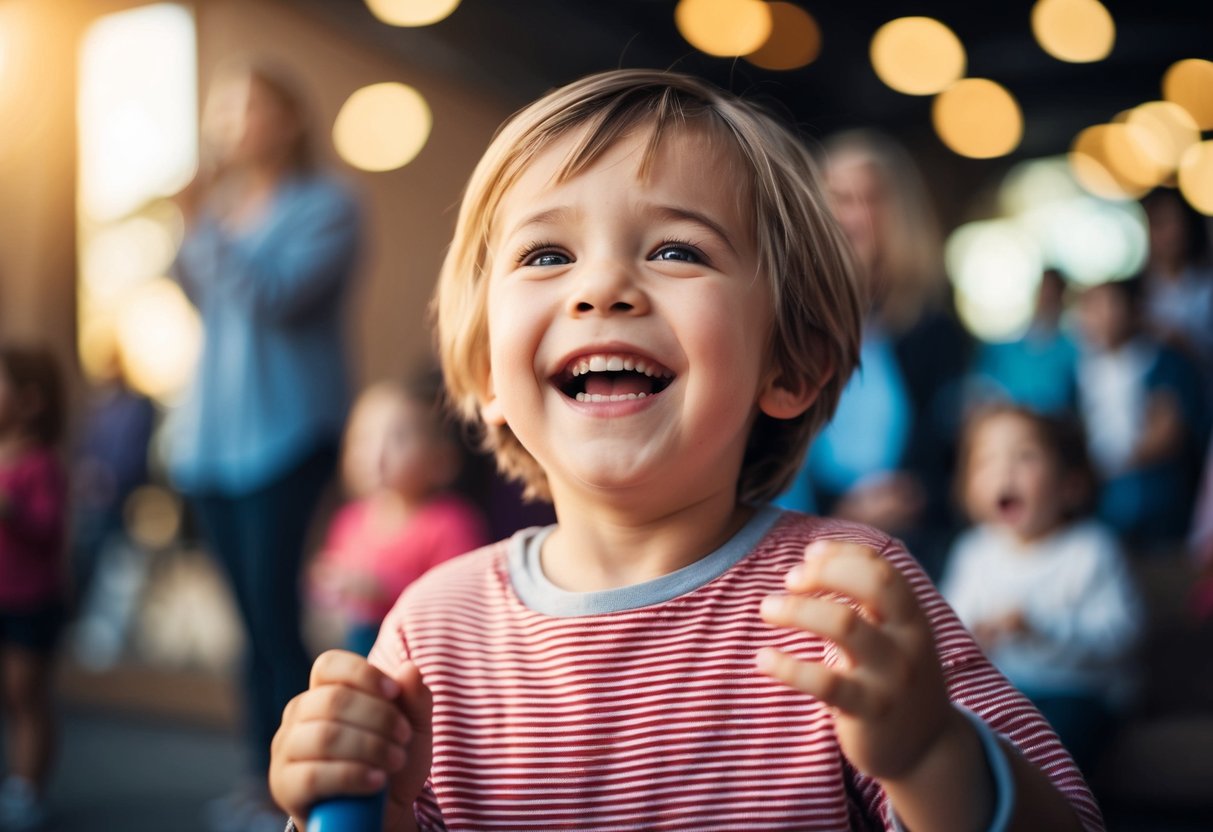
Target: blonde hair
x,y
814,341
911,263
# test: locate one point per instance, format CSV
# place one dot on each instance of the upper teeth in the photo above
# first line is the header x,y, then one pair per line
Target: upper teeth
x,y
615,363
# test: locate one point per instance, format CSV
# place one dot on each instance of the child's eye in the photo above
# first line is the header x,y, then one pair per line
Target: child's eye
x,y
542,254
679,252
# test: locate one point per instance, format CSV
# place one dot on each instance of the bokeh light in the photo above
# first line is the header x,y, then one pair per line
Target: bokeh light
x,y
1164,131
1047,220
795,39
978,118
1189,84
1196,177
138,131
411,12
917,55
1076,31
382,127
122,255
1091,161
724,28
995,267
159,338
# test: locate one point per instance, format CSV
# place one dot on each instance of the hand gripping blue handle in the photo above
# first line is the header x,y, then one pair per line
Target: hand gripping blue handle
x,y
348,814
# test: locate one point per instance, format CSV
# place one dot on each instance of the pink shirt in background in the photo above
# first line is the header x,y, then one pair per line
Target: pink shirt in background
x,y
32,531
441,529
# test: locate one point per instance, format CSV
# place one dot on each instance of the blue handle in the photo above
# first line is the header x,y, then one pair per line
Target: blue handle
x,y
348,814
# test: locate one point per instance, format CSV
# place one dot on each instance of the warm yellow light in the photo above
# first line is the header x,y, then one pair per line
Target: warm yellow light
x,y
1164,131
978,118
1077,31
411,12
795,39
120,256
1129,157
917,55
1093,168
382,127
159,337
1196,177
724,28
1190,85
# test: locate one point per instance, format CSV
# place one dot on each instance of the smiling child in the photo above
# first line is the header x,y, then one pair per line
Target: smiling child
x,y
648,308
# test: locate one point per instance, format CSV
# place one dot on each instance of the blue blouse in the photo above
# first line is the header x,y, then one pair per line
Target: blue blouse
x,y
272,383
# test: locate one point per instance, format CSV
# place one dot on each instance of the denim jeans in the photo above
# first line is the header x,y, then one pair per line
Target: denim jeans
x,y
259,539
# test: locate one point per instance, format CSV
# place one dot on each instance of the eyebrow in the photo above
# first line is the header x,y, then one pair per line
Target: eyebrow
x,y
676,212
551,216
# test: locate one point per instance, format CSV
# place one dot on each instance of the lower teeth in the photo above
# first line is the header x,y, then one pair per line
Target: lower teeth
x,y
598,397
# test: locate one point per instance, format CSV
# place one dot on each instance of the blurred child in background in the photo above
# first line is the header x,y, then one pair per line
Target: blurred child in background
x,y
33,574
1144,410
1042,586
401,459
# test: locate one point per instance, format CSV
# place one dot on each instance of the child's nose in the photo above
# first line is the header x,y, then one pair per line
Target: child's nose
x,y
607,288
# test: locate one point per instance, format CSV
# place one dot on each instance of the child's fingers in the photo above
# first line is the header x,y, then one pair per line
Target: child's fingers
x,y
858,572
348,706
415,698
340,667
829,686
863,643
314,781
334,741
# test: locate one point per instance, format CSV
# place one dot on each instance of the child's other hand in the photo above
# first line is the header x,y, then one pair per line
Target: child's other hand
x,y
353,732
887,689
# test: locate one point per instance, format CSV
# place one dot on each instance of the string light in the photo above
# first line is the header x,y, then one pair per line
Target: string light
x,y
917,55
411,12
1076,31
795,39
724,28
978,118
382,127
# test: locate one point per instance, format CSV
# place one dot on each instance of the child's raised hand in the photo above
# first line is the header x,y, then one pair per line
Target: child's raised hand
x,y
887,689
353,732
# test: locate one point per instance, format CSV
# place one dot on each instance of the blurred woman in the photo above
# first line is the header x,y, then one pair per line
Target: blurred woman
x,y
267,259
886,457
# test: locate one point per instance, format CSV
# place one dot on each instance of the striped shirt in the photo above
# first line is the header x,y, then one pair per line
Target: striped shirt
x,y
641,708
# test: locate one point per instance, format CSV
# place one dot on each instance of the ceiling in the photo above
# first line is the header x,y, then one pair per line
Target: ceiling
x,y
520,48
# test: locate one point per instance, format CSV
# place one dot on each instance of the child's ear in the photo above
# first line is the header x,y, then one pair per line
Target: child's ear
x,y
490,405
781,398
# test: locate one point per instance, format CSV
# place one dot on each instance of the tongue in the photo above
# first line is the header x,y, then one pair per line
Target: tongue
x,y
602,384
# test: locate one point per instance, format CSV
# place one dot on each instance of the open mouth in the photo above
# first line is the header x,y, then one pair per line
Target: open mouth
x,y
1009,505
612,378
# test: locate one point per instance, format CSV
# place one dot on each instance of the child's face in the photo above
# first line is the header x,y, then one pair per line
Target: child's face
x,y
628,323
392,445
1012,479
859,201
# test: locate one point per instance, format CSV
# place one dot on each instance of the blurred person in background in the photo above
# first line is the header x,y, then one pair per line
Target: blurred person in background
x,y
1178,278
110,461
886,457
33,574
268,259
401,458
1143,407
1038,369
1043,587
